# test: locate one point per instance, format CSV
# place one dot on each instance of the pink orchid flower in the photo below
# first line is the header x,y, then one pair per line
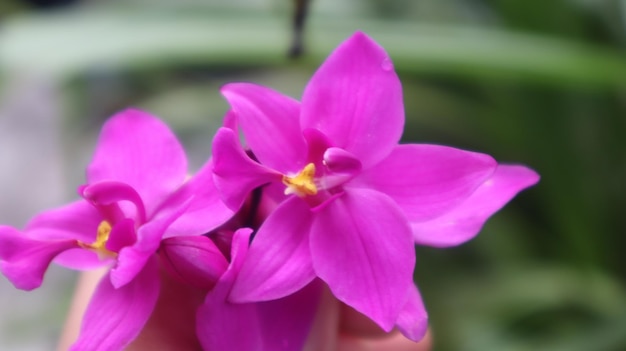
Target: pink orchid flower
x,y
351,201
136,194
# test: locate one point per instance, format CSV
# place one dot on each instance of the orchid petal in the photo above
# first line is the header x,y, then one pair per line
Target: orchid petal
x,y
115,317
317,143
194,260
78,220
80,259
271,196
278,262
286,323
279,325
341,161
222,325
138,149
362,248
341,165
230,121
122,234
428,180
355,98
24,261
205,212
465,221
269,121
106,193
131,259
235,174
413,319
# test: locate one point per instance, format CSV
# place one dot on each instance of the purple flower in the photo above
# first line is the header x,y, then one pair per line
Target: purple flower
x,y
351,201
136,194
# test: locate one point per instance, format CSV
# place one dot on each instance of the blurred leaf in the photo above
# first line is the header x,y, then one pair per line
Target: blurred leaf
x,y
65,44
541,308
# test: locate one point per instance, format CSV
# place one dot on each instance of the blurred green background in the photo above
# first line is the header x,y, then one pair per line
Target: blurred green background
x,y
541,83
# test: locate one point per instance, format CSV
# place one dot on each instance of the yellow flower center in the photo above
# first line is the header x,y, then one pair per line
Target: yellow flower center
x,y
98,246
302,183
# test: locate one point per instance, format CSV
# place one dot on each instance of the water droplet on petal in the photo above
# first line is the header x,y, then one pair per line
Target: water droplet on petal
x,y
387,65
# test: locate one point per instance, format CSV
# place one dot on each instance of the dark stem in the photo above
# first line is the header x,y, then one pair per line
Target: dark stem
x,y
299,17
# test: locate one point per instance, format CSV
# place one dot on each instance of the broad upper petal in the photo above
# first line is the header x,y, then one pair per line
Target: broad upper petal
x,y
355,98
278,262
413,319
464,221
234,173
270,124
24,261
362,248
140,150
428,180
115,317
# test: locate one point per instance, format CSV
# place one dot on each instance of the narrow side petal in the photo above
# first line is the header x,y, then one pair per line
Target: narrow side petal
x,y
278,261
140,150
78,220
428,180
362,248
206,211
464,222
24,261
270,124
355,98
222,325
115,317
235,174
413,319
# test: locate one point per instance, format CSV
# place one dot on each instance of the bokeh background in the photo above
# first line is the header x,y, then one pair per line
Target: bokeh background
x,y
536,82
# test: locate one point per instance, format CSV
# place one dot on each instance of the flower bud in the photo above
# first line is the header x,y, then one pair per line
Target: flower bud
x,y
194,260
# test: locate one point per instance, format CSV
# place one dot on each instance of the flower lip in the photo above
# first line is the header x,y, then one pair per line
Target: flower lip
x,y
108,197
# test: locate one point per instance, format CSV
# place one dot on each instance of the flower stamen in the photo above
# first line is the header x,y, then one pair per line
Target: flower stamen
x,y
99,246
302,184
